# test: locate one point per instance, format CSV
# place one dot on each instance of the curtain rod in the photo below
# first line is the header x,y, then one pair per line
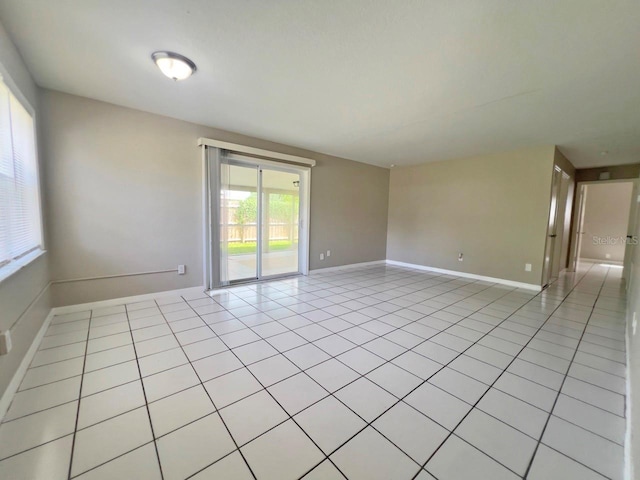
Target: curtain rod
x,y
208,142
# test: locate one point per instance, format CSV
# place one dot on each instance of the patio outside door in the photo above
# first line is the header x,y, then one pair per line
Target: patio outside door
x,y
260,220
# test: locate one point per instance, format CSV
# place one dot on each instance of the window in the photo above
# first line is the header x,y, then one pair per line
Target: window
x,y
20,221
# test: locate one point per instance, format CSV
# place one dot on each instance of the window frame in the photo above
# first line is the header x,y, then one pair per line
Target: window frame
x,y
17,264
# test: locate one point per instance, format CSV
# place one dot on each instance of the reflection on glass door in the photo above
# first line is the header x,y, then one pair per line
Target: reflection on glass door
x,y
238,223
280,222
261,221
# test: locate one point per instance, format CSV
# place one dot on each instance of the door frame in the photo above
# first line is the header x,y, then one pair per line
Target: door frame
x,y
552,226
578,221
211,206
631,230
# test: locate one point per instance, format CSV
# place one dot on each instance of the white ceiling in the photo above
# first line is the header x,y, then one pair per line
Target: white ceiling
x,y
384,82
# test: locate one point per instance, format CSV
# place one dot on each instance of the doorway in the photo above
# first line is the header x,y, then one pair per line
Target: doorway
x,y
258,219
604,223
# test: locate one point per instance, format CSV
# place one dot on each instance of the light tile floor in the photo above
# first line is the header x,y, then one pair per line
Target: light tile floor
x,y
371,373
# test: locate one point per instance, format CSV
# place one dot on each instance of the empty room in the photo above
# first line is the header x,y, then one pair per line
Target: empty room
x,y
319,240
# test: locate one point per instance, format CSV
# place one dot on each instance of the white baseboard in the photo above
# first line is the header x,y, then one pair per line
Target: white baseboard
x,y
7,396
501,281
600,260
12,388
119,301
16,380
347,267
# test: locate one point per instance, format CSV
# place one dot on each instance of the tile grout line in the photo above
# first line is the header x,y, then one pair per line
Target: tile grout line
x,y
77,419
491,386
187,388
289,416
307,342
146,403
333,332
369,423
217,411
544,429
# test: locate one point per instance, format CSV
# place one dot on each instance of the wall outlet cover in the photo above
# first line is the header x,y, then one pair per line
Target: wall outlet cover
x,y
182,269
328,253
527,267
322,256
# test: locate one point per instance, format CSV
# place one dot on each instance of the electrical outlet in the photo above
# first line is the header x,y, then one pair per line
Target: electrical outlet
x,y
328,253
182,269
322,256
527,267
460,257
5,342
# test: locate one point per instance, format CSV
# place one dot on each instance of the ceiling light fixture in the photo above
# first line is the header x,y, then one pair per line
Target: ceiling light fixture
x,y
174,65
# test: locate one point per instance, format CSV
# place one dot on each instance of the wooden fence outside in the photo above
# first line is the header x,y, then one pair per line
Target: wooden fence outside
x,y
247,233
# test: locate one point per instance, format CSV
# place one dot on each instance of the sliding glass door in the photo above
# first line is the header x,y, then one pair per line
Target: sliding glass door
x,y
238,222
280,222
261,229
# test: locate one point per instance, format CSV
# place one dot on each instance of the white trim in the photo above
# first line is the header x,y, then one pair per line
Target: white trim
x,y
16,380
502,281
206,230
119,301
118,275
234,147
14,384
347,267
607,261
304,249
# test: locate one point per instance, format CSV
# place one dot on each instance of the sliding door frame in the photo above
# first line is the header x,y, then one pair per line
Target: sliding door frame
x,y
213,159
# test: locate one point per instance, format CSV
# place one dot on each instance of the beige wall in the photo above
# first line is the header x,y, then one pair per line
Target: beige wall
x,y
493,208
125,188
606,214
349,203
24,287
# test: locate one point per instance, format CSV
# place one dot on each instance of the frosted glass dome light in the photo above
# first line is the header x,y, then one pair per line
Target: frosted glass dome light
x,y
174,65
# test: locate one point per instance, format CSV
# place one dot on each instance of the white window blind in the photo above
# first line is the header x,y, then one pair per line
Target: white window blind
x,y
20,224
